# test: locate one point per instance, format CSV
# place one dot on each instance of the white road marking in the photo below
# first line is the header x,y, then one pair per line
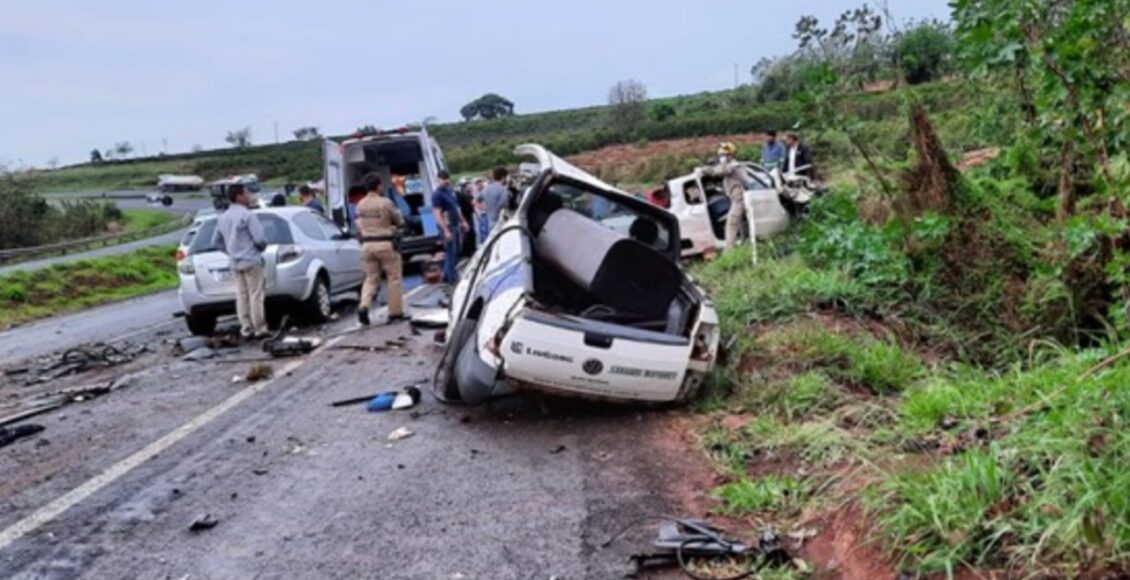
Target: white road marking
x,y
92,486
52,510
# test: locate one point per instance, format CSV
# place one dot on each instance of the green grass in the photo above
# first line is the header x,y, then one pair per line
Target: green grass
x,y
29,295
771,493
143,219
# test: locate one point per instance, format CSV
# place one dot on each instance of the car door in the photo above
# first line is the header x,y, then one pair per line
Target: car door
x,y
347,254
334,168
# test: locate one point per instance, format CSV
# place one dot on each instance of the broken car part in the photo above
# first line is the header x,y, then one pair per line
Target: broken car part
x,y
81,359
9,435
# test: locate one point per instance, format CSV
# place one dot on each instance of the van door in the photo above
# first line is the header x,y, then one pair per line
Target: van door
x,y
433,165
333,155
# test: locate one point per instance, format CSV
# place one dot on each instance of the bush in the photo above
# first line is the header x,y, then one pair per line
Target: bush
x,y
925,52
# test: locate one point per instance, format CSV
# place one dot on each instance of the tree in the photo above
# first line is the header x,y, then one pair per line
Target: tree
x,y
306,133
95,156
924,52
662,111
488,106
627,100
239,138
53,163
123,149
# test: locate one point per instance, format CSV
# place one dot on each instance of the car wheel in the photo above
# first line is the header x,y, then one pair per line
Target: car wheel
x,y
166,201
200,324
319,306
447,379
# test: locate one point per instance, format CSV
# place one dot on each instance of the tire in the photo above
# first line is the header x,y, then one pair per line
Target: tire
x,y
166,201
319,305
200,324
457,344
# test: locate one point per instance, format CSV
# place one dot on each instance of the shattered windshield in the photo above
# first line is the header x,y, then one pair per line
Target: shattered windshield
x,y
618,217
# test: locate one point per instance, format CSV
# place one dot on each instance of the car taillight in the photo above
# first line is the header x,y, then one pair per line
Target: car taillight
x,y
290,253
186,267
181,254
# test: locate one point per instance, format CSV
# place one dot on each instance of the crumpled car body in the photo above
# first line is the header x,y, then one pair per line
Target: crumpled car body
x,y
579,293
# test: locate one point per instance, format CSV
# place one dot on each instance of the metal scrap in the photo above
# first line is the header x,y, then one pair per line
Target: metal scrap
x,y
9,435
290,346
81,359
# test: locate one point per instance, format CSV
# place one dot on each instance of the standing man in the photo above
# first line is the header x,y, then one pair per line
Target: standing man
x,y
772,152
798,160
308,199
496,196
481,223
445,208
240,235
377,222
728,169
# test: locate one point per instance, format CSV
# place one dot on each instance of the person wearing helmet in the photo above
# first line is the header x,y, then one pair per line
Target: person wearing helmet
x,y
728,169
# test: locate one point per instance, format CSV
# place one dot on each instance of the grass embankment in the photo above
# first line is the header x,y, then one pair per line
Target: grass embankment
x,y
143,219
26,296
854,406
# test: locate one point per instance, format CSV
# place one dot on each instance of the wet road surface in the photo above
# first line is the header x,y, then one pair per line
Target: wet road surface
x,y
523,488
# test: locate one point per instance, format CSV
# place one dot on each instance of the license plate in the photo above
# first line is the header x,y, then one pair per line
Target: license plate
x,y
222,275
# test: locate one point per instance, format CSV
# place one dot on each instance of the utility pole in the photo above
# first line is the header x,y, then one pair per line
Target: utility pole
x,y
735,75
276,132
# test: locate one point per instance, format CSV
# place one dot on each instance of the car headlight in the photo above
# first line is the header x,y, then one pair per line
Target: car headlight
x,y
290,253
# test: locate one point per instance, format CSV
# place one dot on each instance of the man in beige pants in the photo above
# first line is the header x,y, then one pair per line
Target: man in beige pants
x,y
240,235
377,222
728,169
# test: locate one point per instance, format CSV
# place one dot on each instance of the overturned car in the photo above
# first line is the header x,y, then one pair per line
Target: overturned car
x,y
579,293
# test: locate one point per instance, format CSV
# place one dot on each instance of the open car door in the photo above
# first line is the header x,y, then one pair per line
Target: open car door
x,y
334,168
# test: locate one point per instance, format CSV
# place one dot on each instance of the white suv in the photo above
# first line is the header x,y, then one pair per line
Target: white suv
x,y
308,259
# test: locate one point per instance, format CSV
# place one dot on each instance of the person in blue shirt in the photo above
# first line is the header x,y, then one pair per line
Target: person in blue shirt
x,y
772,152
445,208
307,198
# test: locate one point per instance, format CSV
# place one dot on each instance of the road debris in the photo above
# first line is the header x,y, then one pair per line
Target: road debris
x,y
367,398
400,433
558,449
9,435
405,398
291,346
79,360
703,550
431,319
203,522
51,401
259,372
199,354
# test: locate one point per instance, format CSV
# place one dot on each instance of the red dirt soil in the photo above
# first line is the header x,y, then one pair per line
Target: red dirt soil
x,y
631,154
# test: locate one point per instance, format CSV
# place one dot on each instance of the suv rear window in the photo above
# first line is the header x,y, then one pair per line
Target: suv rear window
x,y
276,230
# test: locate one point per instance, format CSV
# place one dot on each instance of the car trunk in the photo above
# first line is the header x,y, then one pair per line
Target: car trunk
x,y
608,269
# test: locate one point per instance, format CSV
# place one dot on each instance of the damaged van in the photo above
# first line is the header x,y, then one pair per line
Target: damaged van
x,y
580,293
409,154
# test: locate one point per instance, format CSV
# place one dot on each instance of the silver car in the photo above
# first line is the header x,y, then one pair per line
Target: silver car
x,y
308,260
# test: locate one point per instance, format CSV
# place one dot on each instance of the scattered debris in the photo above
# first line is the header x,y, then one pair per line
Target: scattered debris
x,y
431,319
367,398
400,433
9,435
259,372
683,541
52,401
290,346
260,471
558,449
406,398
199,354
203,522
79,360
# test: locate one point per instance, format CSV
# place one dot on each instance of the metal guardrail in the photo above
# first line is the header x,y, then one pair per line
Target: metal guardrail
x,y
23,254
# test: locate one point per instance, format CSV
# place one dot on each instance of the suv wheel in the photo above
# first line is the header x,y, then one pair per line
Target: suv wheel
x,y
319,306
200,324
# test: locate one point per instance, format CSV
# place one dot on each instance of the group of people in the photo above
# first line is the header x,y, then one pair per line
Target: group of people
x,y
376,217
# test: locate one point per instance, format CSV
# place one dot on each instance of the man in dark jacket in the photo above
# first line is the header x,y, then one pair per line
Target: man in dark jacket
x,y
798,157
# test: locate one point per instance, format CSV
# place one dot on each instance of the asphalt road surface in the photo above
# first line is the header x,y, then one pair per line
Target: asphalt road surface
x,y
524,488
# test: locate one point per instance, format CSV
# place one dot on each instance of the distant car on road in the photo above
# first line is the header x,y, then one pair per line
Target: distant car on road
x,y
308,260
157,197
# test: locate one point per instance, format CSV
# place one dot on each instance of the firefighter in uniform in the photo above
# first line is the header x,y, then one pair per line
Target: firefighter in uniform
x,y
377,221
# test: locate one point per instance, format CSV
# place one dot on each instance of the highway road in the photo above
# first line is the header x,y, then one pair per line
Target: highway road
x,y
524,488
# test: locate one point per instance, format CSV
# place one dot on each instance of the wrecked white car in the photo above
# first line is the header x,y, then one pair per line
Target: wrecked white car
x,y
700,203
579,293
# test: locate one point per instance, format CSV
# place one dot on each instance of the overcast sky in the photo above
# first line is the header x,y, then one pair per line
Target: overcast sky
x,y
173,74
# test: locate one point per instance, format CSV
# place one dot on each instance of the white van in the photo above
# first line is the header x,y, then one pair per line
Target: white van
x,y
408,153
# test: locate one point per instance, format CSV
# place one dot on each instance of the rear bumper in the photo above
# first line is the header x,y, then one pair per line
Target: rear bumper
x,y
564,359
290,290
